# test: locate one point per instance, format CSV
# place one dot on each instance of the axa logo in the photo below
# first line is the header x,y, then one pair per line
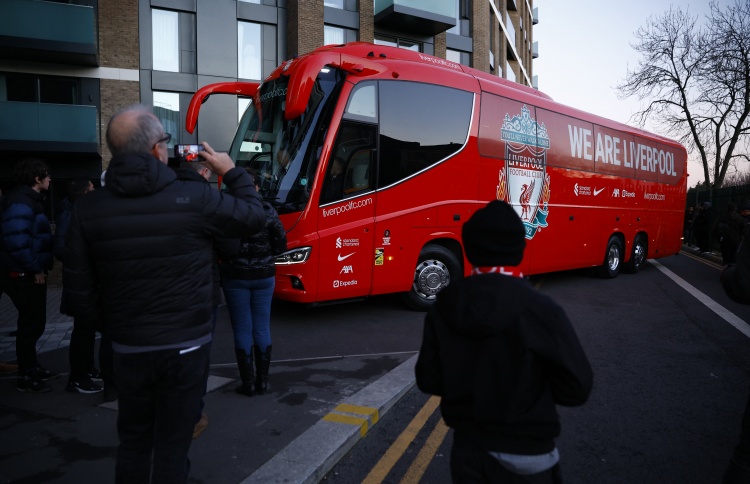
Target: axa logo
x,y
346,270
616,192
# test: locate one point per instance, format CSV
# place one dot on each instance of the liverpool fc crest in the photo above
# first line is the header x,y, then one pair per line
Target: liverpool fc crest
x,y
524,182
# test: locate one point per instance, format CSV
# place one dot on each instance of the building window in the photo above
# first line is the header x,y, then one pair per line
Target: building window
x,y
165,40
333,35
510,74
242,103
249,51
334,3
167,109
39,89
400,43
251,1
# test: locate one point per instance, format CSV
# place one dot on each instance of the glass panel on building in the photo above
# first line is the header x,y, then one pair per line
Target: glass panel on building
x,y
453,55
333,35
58,91
165,40
249,51
334,3
242,103
167,109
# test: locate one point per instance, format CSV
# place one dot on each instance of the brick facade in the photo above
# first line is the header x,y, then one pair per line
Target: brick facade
x,y
305,20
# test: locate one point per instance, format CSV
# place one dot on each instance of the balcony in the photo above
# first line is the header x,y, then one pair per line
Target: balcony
x,y
422,17
48,32
48,128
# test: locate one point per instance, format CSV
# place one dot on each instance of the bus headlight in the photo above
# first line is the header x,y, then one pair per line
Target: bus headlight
x,y
294,256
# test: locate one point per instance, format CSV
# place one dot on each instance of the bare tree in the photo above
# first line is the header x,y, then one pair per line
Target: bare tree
x,y
696,83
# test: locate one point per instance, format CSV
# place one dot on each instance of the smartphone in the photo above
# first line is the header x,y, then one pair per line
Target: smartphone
x,y
188,152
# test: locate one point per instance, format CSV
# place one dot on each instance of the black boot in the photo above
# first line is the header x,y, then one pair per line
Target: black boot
x,y
262,364
247,374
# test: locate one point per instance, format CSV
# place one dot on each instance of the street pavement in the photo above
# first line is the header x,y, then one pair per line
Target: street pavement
x,y
315,412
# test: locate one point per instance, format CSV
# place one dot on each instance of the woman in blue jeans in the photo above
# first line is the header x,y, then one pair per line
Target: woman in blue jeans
x,y
248,275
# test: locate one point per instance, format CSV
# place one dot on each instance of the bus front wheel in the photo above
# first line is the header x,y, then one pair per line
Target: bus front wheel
x,y
435,269
612,259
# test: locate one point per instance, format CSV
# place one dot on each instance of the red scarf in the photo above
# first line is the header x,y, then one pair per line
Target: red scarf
x,y
508,271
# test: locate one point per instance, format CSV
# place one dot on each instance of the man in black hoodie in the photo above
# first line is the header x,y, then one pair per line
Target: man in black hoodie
x,y
139,256
501,355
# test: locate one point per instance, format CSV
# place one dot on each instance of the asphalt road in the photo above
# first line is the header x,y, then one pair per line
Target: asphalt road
x,y
671,381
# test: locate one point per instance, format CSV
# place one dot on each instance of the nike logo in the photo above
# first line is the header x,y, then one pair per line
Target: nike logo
x,y
346,256
597,192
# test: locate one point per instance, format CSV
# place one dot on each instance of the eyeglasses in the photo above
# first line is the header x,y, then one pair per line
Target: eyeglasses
x,y
166,139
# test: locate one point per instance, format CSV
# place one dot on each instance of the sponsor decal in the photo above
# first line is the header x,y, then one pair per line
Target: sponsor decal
x,y
525,183
346,242
379,257
627,194
616,193
277,92
346,270
352,205
387,237
598,191
338,283
344,257
580,190
654,196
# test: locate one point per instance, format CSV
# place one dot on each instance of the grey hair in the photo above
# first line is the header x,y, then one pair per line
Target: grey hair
x,y
138,134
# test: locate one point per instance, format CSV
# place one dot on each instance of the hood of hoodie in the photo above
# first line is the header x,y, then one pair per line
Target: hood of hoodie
x,y
137,175
484,305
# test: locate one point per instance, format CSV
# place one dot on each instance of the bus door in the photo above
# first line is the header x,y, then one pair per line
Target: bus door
x,y
347,214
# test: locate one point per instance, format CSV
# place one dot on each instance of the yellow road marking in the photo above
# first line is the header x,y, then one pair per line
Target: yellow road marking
x,y
349,420
417,468
701,259
356,409
397,449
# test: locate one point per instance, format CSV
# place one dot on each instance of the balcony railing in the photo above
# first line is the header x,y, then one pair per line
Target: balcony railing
x,y
426,17
48,32
56,126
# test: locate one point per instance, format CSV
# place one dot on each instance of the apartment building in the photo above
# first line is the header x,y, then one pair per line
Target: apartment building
x,y
67,65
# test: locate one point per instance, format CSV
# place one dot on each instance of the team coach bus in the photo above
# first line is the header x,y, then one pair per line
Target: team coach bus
x,y
374,157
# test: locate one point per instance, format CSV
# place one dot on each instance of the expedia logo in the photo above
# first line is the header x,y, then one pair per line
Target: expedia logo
x,y
338,283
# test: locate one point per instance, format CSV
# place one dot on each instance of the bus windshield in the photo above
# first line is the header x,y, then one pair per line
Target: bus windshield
x,y
285,153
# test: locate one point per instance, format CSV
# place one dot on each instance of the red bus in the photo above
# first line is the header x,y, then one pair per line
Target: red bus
x,y
375,156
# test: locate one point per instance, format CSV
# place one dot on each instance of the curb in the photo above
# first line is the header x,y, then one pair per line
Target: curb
x,y
310,456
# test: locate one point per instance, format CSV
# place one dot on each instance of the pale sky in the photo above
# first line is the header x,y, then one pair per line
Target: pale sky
x,y
585,51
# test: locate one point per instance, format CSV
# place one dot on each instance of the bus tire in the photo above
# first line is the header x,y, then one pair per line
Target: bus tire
x,y
436,267
638,255
612,259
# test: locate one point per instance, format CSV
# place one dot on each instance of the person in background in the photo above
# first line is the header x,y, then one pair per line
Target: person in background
x,y
334,184
248,277
728,230
83,372
198,172
138,258
26,258
687,230
5,367
501,355
702,227
735,279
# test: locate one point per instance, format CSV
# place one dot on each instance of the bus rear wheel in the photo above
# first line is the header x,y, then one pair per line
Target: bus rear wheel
x,y
638,256
435,269
612,259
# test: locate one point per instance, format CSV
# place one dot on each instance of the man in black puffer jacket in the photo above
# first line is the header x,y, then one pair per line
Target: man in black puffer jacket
x,y
501,355
139,260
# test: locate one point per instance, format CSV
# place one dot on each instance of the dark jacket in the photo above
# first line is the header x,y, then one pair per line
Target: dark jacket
x,y
729,227
139,251
253,257
190,175
735,278
62,224
501,355
26,233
